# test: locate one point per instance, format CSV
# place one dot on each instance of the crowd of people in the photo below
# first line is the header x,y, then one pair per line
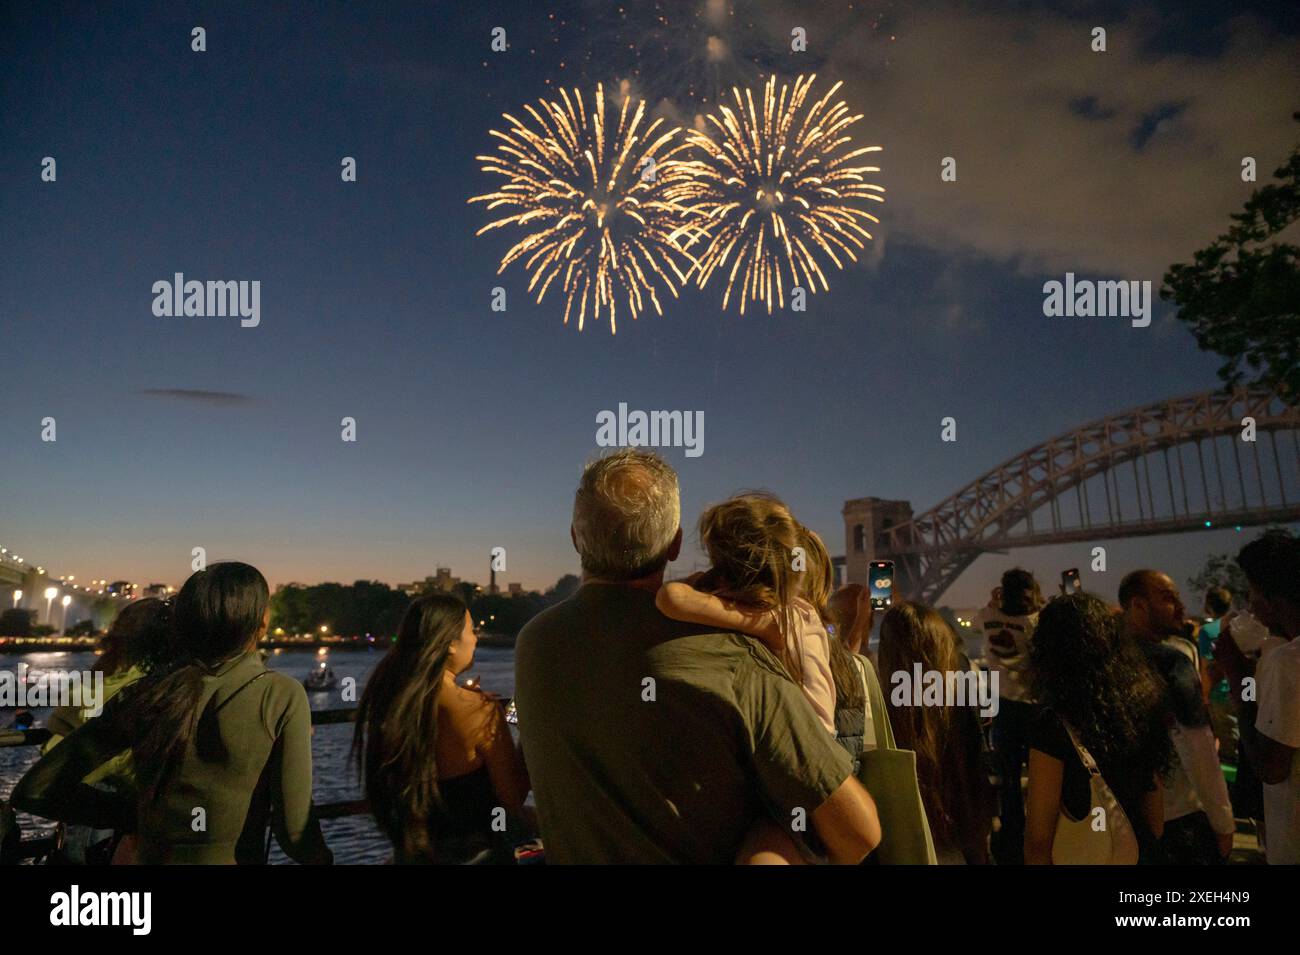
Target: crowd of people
x,y
1123,717
736,716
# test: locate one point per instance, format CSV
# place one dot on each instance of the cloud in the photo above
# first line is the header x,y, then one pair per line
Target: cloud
x,y
1120,162
223,398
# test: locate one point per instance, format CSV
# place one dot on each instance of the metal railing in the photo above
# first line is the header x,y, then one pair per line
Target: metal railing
x,y
42,846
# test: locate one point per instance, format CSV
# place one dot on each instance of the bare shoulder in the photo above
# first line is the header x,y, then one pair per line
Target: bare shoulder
x,y
469,715
463,704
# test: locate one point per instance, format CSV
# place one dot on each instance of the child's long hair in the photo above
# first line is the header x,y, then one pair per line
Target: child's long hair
x,y
818,584
818,576
750,539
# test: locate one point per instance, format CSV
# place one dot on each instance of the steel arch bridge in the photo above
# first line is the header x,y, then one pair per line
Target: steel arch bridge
x,y
1180,465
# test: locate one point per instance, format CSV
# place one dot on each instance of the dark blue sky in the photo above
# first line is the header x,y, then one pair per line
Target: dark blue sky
x,y
473,425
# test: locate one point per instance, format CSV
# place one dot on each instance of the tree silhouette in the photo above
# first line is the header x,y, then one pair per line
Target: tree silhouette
x,y
1241,294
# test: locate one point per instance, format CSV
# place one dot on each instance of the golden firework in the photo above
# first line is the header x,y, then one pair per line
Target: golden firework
x,y
590,187
778,185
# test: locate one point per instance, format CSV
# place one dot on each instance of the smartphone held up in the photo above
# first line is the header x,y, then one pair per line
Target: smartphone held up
x,y
880,580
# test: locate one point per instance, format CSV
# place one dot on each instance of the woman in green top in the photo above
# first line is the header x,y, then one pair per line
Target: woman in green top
x,y
221,745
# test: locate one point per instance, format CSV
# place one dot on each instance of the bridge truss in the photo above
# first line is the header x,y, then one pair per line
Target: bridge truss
x,y
1179,465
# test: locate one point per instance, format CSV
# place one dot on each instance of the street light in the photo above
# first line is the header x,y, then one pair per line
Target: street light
x,y
67,599
50,594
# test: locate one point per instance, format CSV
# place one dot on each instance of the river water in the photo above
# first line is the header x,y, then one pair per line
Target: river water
x,y
354,839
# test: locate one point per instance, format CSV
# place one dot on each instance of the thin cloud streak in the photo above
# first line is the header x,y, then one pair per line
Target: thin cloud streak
x,y
219,398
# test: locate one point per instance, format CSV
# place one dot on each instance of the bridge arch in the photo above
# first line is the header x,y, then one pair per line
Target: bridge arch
x,y
1176,465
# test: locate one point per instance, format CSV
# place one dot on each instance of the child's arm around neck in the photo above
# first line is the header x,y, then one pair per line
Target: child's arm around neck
x,y
681,601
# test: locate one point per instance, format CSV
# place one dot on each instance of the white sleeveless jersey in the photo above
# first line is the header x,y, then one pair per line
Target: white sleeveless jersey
x,y
1006,649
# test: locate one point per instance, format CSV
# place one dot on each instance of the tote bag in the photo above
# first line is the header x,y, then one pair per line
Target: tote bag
x,y
889,773
1076,841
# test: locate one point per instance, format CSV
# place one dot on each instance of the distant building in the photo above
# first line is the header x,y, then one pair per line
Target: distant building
x,y
515,590
121,588
156,590
441,582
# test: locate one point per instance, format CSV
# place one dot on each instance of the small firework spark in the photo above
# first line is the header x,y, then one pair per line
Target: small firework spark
x,y
590,187
689,52
777,187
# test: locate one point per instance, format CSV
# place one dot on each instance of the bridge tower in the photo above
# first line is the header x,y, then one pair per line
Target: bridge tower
x,y
867,522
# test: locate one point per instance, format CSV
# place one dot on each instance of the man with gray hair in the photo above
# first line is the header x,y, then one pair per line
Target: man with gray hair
x,y
654,741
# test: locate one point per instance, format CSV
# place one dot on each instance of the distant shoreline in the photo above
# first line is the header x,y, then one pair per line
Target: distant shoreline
x,y
88,644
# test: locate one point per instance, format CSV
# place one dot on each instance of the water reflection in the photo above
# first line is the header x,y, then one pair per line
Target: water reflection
x,y
354,839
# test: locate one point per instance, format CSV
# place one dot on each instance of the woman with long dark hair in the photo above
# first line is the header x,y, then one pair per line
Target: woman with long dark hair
x,y
444,778
1099,743
137,643
947,739
220,745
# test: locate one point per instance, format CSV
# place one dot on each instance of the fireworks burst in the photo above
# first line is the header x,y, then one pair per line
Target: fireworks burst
x,y
591,187
778,186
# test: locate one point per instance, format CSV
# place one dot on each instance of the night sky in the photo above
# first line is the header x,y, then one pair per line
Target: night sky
x,y
473,424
